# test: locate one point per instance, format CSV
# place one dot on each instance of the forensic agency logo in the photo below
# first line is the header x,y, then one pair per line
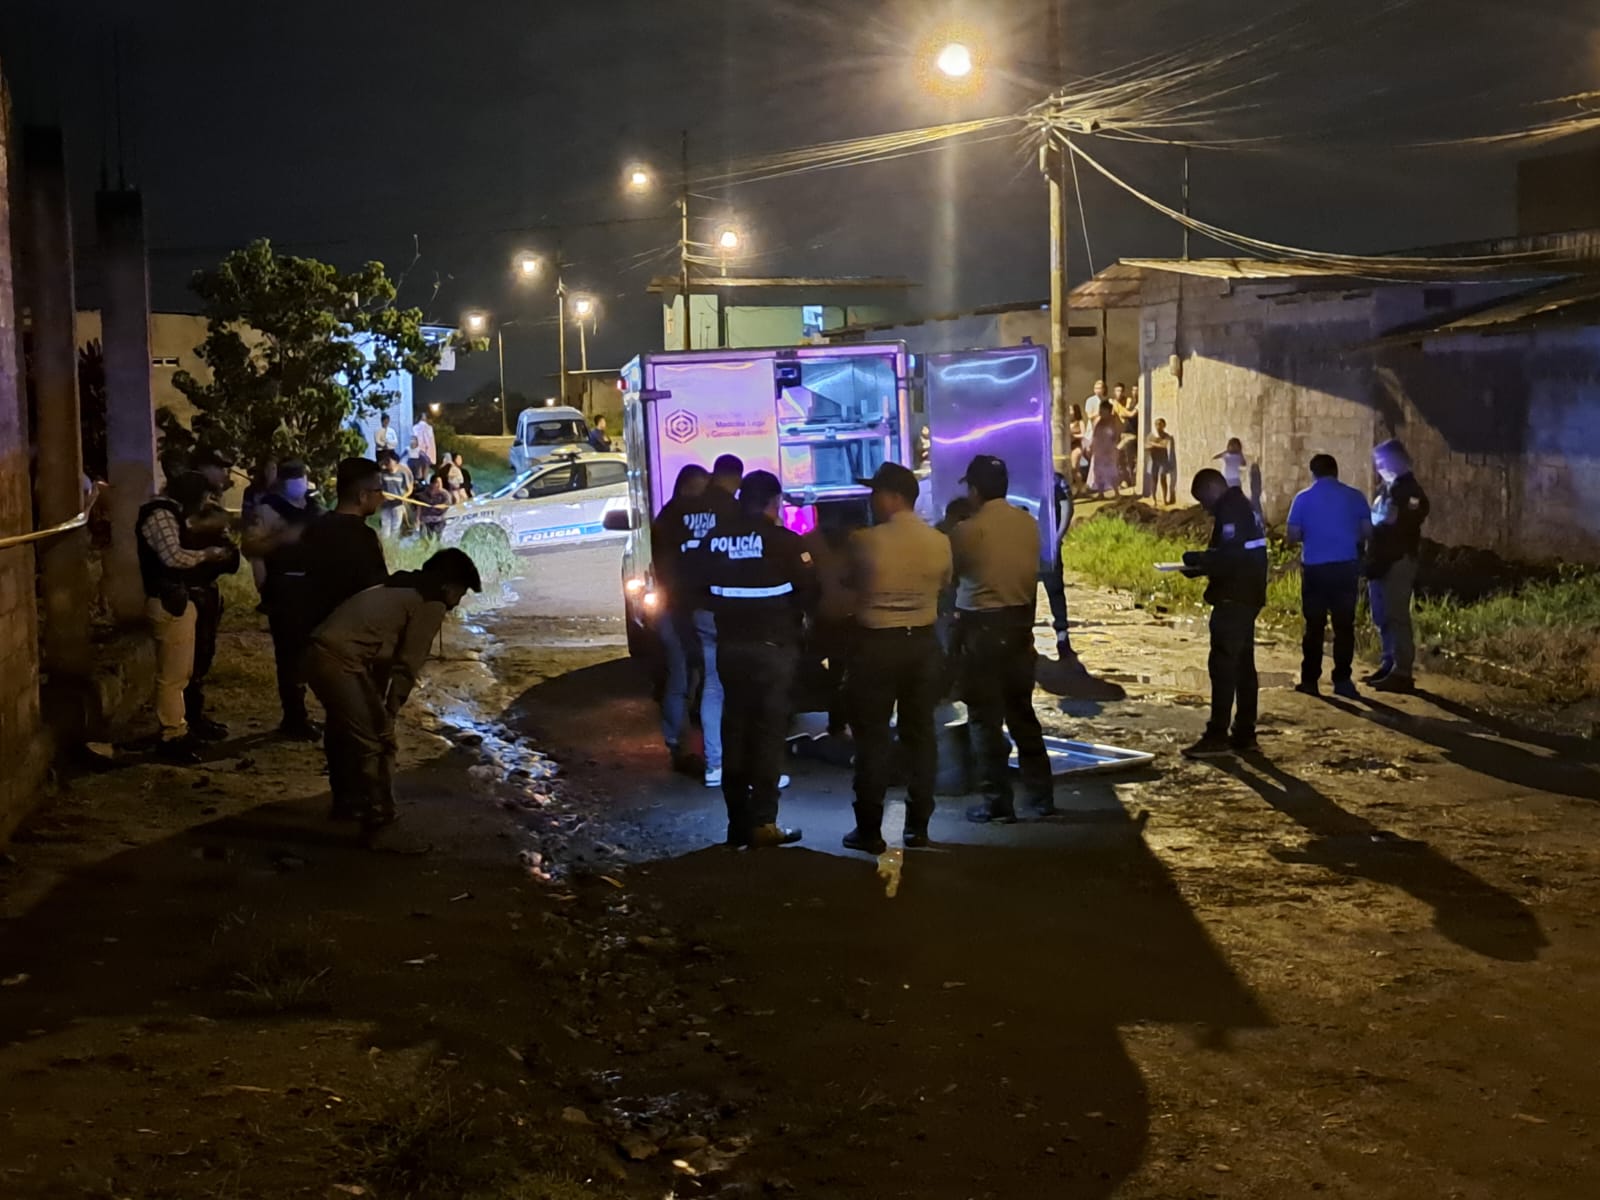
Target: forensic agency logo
x,y
682,427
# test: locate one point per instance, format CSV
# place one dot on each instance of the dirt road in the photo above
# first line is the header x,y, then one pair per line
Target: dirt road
x,y
1358,966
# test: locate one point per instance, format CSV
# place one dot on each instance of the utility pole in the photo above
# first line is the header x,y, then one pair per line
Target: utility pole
x,y
1053,162
561,327
1186,202
684,248
500,339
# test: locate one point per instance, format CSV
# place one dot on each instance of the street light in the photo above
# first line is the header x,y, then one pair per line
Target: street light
x,y
530,267
951,60
582,309
728,240
955,60
477,322
640,180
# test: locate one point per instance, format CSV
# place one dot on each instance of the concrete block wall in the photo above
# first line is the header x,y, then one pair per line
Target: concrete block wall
x,y
1508,429
1504,430
23,750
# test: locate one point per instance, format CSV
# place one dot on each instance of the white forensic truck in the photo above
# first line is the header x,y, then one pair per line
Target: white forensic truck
x,y
823,418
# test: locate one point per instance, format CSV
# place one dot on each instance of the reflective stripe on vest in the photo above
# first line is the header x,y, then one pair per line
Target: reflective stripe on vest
x,y
1258,544
746,593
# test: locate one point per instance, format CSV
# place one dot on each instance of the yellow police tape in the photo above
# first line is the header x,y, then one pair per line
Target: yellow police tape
x,y
67,526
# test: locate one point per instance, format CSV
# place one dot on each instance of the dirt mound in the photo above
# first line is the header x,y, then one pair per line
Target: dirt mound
x,y
1469,574
1184,524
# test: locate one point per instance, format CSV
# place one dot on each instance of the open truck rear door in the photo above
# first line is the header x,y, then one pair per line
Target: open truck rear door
x,y
994,402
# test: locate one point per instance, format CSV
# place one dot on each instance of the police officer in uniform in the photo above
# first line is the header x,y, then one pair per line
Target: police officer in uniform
x,y
996,553
757,582
1398,512
281,520
173,568
898,568
205,529
678,528
1236,566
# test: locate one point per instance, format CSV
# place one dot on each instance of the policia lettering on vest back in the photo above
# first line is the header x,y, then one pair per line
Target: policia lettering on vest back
x,y
756,580
997,571
1235,564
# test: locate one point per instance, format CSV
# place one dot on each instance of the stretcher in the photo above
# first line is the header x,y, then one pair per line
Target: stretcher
x,y
808,738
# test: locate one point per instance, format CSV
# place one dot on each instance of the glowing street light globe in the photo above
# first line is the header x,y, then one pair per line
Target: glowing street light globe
x,y
638,179
728,239
529,265
477,322
955,61
583,306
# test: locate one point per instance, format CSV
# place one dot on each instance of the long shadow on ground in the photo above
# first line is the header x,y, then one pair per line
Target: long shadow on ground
x,y
1468,910
959,1039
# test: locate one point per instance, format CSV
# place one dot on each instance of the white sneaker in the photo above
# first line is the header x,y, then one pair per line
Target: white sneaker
x,y
714,778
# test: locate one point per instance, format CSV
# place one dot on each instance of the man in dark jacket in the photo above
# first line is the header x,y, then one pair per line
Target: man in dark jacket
x,y
342,552
280,523
1235,564
1398,512
758,581
678,528
727,472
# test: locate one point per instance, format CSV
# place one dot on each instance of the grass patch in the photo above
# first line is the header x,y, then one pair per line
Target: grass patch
x,y
1544,629
425,1138
264,973
1115,554
490,469
422,1145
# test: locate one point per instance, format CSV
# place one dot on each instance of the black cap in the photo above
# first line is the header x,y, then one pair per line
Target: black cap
x,y
210,458
293,469
892,477
988,476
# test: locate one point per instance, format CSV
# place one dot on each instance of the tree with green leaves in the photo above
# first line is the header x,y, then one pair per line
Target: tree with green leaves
x,y
297,350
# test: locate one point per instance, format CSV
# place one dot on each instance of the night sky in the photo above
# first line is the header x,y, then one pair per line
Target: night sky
x,y
346,129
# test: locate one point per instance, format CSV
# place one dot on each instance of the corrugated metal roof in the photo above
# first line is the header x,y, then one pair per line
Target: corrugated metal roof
x,y
1234,268
1575,302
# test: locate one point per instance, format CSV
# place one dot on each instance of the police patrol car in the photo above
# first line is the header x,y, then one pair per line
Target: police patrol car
x,y
563,499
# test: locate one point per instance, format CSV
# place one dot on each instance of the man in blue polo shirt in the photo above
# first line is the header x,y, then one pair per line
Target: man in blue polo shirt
x,y
1331,522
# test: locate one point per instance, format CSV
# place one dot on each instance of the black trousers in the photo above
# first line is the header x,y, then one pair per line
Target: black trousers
x,y
997,664
1329,590
1055,587
835,641
359,736
757,680
287,619
1234,687
207,624
895,670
